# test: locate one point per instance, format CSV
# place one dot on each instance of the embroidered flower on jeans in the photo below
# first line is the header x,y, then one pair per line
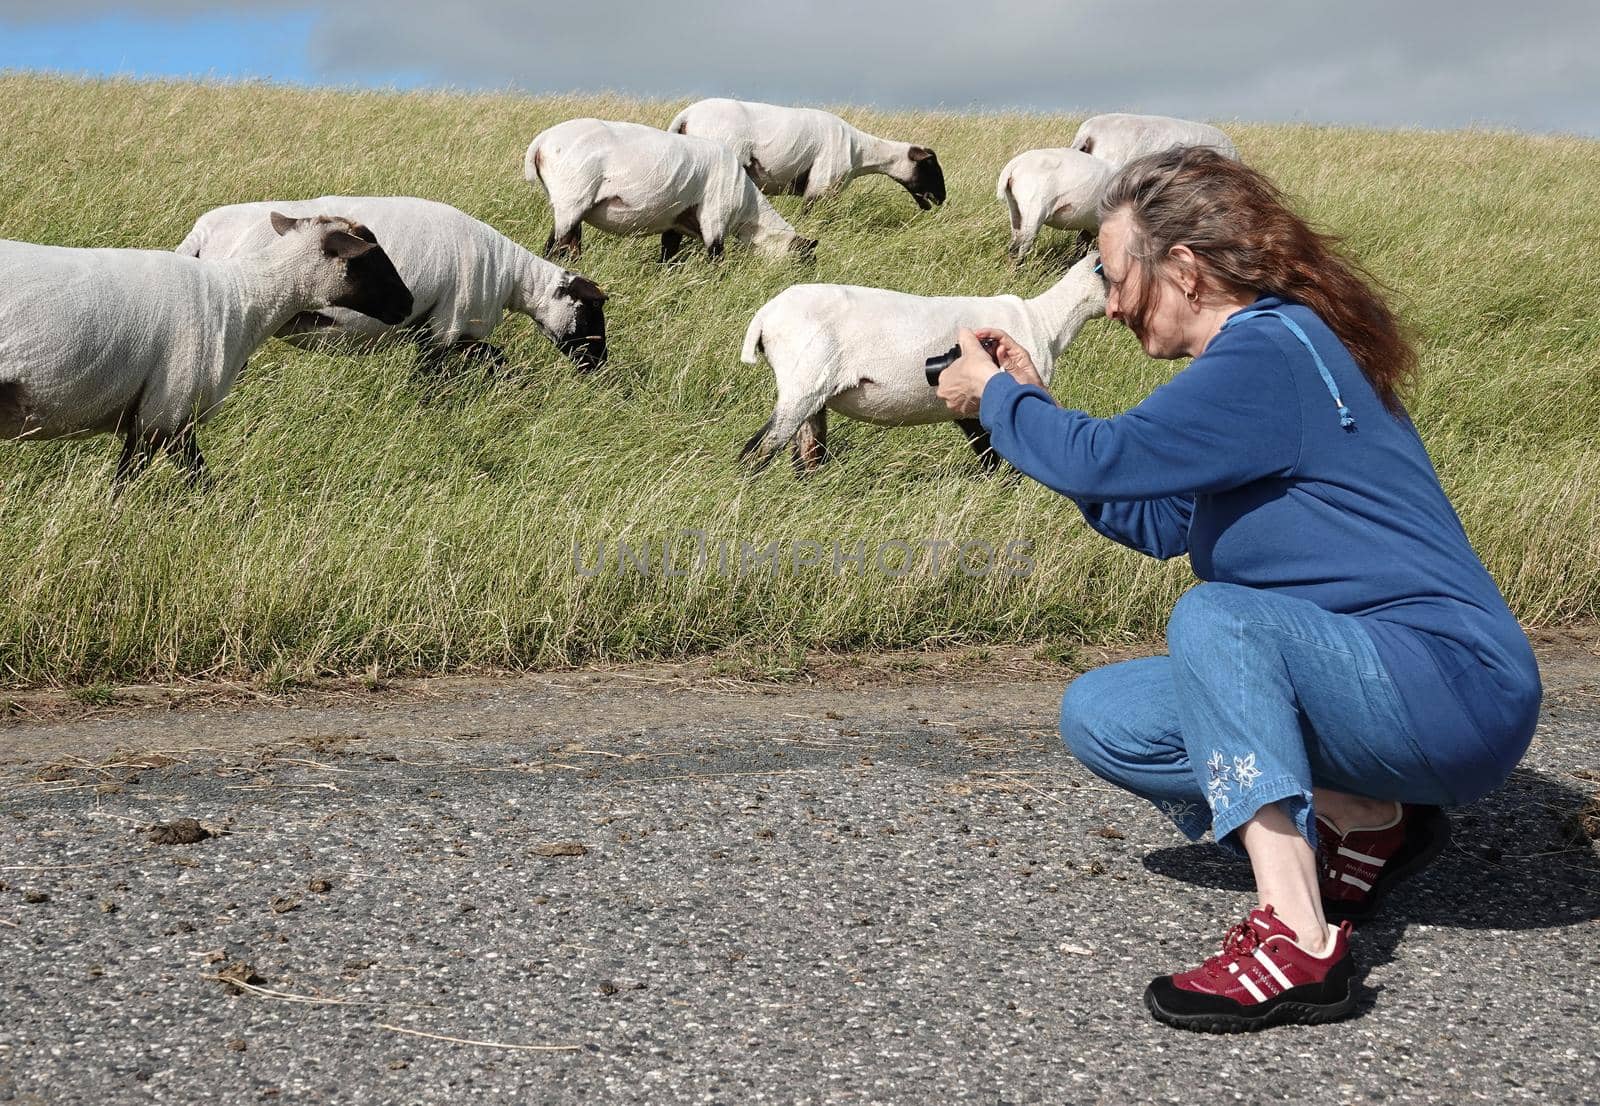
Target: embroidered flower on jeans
x,y
1220,772
1245,771
1217,794
1179,812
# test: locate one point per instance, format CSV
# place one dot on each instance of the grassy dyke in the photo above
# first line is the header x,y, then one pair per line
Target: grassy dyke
x,y
359,524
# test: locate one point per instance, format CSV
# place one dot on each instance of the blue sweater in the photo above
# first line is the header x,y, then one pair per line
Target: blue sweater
x,y
1240,461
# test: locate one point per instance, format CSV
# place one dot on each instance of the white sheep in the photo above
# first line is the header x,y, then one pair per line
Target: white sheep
x,y
147,343
627,178
1057,188
463,274
860,352
809,152
1119,137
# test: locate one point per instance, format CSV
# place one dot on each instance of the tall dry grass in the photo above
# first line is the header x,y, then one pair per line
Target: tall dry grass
x,y
361,523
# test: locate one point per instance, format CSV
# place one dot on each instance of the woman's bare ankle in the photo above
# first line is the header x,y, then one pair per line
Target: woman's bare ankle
x,y
1349,813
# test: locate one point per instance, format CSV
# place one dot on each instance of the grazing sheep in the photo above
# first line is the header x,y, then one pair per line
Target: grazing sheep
x,y
860,352
627,178
147,343
1119,138
1056,188
463,274
809,152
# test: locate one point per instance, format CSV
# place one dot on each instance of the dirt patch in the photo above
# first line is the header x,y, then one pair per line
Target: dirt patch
x,y
184,831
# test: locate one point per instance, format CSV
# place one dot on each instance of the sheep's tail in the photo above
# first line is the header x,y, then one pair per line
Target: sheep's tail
x,y
680,122
1011,203
752,351
190,246
532,163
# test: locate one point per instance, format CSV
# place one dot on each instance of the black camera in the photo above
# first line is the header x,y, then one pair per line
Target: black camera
x,y
938,363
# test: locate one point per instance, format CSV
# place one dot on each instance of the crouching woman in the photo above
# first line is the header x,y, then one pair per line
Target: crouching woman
x,y
1347,667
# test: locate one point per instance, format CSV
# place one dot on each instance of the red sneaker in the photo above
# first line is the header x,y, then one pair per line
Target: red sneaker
x,y
1358,868
1262,977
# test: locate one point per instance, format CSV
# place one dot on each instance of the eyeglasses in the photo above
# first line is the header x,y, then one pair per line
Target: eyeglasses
x,y
1100,271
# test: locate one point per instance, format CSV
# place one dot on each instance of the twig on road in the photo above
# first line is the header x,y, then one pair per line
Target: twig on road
x,y
479,1044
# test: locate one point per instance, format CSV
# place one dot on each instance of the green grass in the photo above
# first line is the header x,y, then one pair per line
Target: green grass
x,y
360,527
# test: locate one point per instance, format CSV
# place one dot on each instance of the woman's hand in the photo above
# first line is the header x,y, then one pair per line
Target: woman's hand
x,y
961,385
1012,357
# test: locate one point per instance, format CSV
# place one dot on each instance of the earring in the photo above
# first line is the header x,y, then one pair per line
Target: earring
x,y
1192,296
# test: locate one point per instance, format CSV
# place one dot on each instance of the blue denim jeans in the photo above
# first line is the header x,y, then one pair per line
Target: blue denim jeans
x,y
1262,697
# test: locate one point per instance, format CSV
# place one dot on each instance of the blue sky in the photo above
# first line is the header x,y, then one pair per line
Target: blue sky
x,y
1417,63
223,45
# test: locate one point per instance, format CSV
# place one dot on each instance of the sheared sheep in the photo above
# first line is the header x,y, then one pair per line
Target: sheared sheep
x,y
630,179
463,275
860,352
1057,188
809,152
1119,138
147,343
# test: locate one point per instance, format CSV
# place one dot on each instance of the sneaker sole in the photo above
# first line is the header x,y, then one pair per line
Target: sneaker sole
x,y
1288,1013
1390,878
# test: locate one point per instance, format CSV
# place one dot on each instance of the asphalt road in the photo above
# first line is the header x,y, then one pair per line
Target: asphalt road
x,y
654,887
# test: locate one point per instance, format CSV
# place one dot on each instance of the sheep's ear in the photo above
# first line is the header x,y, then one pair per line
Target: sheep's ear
x,y
920,153
582,288
342,243
363,232
283,224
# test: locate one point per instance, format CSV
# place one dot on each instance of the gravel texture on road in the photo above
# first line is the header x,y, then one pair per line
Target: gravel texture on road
x,y
633,887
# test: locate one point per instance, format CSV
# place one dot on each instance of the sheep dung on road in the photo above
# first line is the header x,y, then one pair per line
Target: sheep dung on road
x,y
860,352
630,179
809,152
463,273
1056,188
147,343
1120,137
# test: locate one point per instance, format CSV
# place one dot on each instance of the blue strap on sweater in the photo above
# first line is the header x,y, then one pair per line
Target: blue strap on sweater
x,y
1346,419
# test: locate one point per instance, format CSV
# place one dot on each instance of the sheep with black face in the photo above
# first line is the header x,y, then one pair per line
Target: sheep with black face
x,y
147,343
464,275
809,152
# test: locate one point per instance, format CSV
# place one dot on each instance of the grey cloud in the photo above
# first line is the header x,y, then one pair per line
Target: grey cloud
x,y
1368,62
1430,63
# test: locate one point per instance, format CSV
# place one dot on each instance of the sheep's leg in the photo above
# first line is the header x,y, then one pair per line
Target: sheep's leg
x,y
566,238
479,350
490,356
978,439
138,449
430,356
671,242
715,248
811,443
1080,248
789,414
187,448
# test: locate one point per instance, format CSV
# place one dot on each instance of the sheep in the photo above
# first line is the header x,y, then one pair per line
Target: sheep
x,y
1054,187
463,275
860,352
808,152
147,343
1119,138
630,179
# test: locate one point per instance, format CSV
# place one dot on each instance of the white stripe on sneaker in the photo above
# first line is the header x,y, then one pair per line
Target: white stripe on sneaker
x,y
1354,882
1272,969
1376,862
1255,992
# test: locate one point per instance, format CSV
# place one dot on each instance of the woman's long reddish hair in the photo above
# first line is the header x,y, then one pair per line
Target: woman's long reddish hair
x,y
1248,241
